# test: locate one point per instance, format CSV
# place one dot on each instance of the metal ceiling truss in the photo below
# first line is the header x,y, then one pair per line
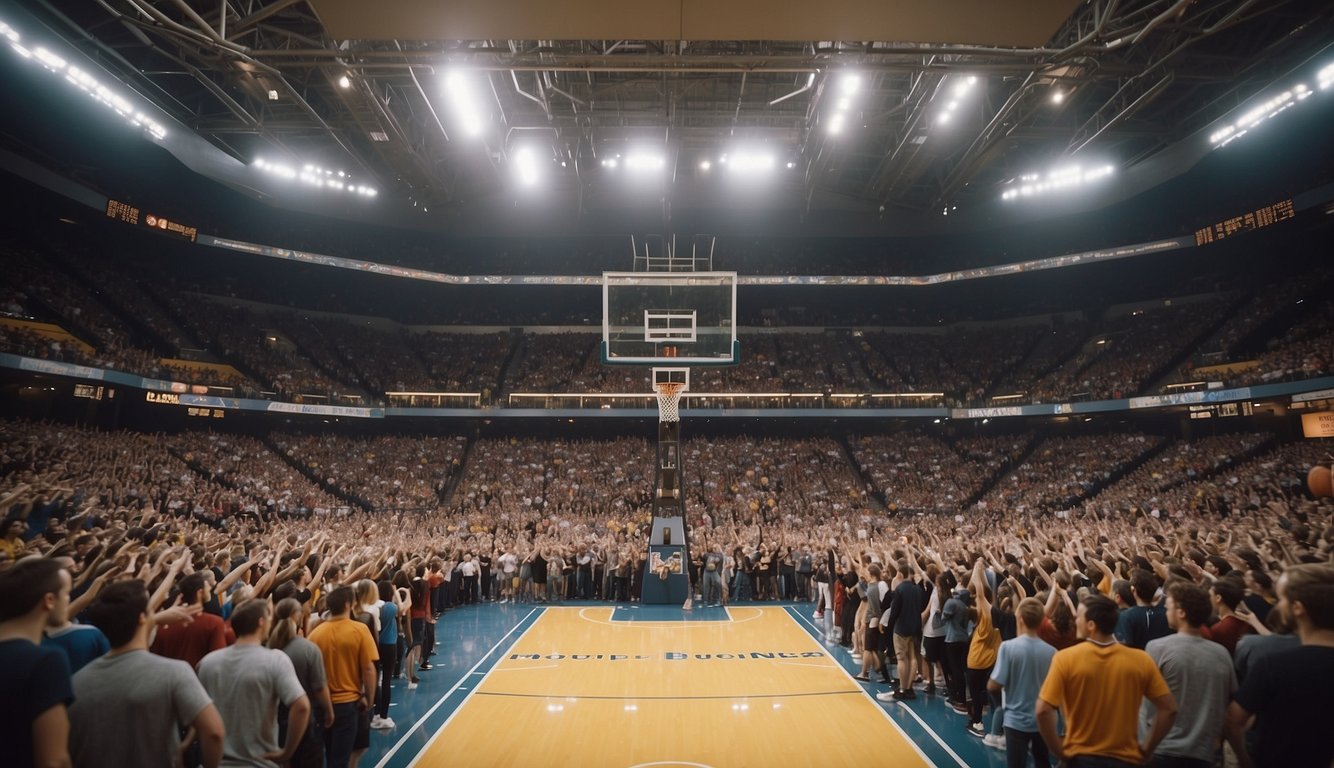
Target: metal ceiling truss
x,y
1137,75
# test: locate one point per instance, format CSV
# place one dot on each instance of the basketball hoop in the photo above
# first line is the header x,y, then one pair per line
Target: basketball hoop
x,y
669,396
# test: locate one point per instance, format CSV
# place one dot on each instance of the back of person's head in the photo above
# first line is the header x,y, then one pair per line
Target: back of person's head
x,y
1261,579
340,600
285,590
1102,611
1144,583
190,587
24,585
1229,592
248,616
1030,612
385,590
1312,585
286,615
366,592
117,610
905,570
1192,600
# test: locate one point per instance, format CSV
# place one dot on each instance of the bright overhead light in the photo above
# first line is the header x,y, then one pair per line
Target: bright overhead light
x,y
344,82
943,118
1057,96
643,161
705,165
467,106
835,124
315,177
791,164
1063,178
751,161
273,95
850,83
526,166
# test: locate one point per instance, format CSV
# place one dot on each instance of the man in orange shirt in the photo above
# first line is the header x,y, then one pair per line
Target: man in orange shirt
x,y
349,665
1099,684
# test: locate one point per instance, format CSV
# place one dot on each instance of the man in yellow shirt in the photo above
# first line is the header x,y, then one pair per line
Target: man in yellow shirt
x,y
1099,685
350,654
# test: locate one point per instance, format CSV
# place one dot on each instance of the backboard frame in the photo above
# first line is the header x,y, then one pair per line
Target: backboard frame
x,y
726,280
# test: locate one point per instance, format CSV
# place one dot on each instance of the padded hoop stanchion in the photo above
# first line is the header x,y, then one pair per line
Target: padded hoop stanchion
x,y
669,398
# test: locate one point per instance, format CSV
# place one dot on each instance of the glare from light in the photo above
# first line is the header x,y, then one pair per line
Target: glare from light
x,y
314,177
525,166
344,82
1057,97
843,103
850,84
835,124
643,161
751,161
960,88
84,82
273,95
467,107
705,165
943,118
791,164
1062,178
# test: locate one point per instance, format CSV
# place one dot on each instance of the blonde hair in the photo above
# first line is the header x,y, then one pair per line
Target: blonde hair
x,y
286,617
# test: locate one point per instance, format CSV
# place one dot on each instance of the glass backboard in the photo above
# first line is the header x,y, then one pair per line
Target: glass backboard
x,y
669,318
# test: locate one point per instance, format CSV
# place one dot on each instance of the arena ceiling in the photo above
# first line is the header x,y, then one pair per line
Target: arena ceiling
x,y
362,86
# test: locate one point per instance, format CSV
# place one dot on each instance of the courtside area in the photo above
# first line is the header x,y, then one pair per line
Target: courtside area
x,y
628,685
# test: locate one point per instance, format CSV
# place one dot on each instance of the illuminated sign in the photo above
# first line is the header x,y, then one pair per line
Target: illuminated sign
x,y
1318,424
122,212
167,398
1257,219
164,224
88,391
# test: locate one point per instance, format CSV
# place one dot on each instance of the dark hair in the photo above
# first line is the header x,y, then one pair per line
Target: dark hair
x,y
1312,585
1192,599
285,590
1102,611
1261,579
25,583
386,591
1229,591
190,586
117,610
1121,588
1144,583
246,617
340,599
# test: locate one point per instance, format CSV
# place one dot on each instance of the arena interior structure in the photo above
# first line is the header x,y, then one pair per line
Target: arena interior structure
x,y
1060,257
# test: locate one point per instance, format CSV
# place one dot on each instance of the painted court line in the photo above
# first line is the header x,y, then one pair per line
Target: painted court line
x,y
724,697
661,624
406,734
795,614
427,746
934,735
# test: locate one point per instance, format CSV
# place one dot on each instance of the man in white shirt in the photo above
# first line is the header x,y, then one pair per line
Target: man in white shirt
x,y
509,568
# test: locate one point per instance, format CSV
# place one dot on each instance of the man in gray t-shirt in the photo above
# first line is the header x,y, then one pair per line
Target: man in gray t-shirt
x,y
131,705
1200,675
248,682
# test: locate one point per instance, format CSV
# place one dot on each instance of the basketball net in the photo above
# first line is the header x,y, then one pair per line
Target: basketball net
x,y
669,398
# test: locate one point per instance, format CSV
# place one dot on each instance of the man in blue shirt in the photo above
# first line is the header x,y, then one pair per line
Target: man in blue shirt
x,y
1021,666
35,686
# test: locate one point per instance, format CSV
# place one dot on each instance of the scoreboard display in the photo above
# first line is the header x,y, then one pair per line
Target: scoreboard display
x,y
1246,222
129,214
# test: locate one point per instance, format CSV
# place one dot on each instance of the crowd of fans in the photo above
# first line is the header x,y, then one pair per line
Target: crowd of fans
x,y
176,528
1274,333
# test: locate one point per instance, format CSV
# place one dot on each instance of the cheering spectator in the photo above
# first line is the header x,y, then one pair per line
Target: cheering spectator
x,y
34,681
1021,667
131,705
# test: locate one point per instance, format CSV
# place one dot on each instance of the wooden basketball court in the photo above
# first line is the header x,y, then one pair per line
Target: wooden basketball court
x,y
641,686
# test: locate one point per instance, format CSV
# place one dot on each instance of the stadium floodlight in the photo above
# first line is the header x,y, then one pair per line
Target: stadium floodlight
x,y
315,177
645,161
466,105
835,125
344,82
848,86
1062,178
751,161
705,165
1058,96
850,83
1325,77
526,168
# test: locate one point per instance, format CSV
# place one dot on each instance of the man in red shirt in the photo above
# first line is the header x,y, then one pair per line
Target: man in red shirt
x,y
192,641
1227,593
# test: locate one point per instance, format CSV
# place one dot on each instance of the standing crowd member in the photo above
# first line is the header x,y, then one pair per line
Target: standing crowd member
x,y
1098,685
349,666
1021,667
34,681
1290,693
131,705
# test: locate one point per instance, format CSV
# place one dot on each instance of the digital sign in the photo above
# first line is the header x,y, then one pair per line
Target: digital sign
x,y
1246,222
122,212
163,224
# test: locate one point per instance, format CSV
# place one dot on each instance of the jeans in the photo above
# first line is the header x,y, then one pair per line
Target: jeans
x,y
1019,743
340,738
385,667
713,587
